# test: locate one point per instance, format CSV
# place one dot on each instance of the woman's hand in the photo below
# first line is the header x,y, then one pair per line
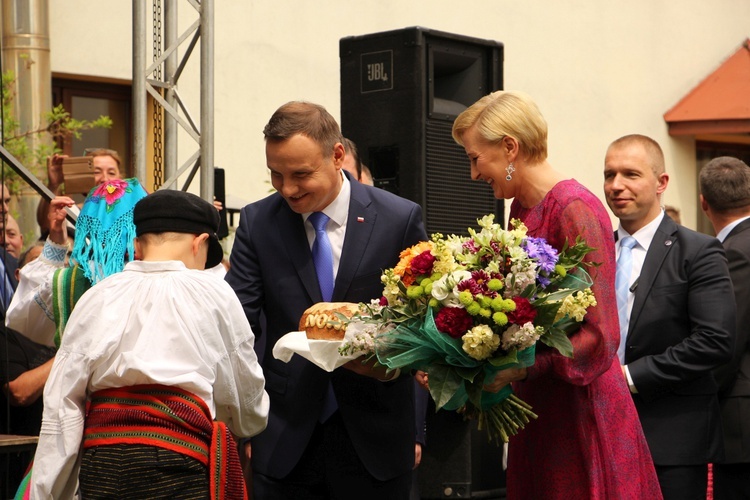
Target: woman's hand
x,y
55,171
58,232
505,377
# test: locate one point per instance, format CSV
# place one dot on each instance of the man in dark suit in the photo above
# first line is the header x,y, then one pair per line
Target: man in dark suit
x,y
679,317
365,448
725,198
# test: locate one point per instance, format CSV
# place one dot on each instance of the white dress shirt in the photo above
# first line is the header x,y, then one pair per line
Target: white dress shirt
x,y
722,235
643,237
338,212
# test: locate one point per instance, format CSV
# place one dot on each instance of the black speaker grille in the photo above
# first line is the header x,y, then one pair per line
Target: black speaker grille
x,y
453,201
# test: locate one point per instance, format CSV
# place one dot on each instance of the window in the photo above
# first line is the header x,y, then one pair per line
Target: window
x,y
88,100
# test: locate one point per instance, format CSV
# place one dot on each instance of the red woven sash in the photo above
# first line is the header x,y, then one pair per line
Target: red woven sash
x,y
169,418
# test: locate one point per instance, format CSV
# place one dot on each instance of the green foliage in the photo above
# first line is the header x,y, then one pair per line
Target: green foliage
x,y
557,338
59,125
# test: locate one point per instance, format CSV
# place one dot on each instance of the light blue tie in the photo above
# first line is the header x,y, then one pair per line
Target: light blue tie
x,y
322,255
323,260
622,285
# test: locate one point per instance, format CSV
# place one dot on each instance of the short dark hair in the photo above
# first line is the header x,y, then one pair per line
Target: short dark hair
x,y
351,149
306,118
725,184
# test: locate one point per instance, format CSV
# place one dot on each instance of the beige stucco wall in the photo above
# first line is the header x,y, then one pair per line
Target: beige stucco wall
x,y
598,70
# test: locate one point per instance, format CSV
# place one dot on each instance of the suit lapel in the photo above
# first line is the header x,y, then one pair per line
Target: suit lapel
x,y
290,225
662,243
359,226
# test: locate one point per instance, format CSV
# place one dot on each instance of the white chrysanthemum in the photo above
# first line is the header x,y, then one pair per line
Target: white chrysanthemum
x,y
480,342
521,337
576,305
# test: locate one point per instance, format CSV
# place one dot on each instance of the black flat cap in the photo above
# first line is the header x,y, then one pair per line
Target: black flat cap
x,y
173,211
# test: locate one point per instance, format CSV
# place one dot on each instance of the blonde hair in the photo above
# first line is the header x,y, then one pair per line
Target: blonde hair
x,y
105,152
506,114
654,153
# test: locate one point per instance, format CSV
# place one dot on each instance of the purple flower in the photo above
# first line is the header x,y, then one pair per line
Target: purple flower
x,y
539,250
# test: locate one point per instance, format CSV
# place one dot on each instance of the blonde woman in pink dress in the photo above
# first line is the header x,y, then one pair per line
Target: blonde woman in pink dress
x,y
587,442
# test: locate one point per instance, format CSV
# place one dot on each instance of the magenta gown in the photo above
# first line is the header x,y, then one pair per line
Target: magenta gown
x,y
587,442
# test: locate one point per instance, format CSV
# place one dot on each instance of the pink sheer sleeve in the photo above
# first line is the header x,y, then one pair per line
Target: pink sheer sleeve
x,y
595,343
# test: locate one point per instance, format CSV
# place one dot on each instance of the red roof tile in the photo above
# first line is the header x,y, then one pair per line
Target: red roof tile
x,y
720,103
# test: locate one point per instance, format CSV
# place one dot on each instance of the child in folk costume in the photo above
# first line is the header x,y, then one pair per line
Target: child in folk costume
x,y
50,286
151,356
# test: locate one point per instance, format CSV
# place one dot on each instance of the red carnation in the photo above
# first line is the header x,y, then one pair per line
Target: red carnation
x,y
454,321
383,301
524,312
422,263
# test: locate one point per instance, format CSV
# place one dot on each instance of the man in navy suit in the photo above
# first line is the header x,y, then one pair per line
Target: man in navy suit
x,y
725,198
365,449
680,322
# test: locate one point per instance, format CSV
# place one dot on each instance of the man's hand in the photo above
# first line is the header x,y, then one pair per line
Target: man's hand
x,y
247,471
417,454
28,386
368,369
422,379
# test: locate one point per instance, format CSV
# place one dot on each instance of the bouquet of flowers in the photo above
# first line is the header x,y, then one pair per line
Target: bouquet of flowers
x,y
463,308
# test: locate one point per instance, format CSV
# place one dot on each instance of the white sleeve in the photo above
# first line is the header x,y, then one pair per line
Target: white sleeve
x,y
56,462
30,312
239,395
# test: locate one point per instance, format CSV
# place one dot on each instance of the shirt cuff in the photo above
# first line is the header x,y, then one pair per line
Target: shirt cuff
x,y
53,253
631,385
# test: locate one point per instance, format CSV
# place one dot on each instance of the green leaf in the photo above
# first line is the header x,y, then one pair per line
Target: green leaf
x,y
506,359
468,373
444,383
557,339
546,312
474,390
